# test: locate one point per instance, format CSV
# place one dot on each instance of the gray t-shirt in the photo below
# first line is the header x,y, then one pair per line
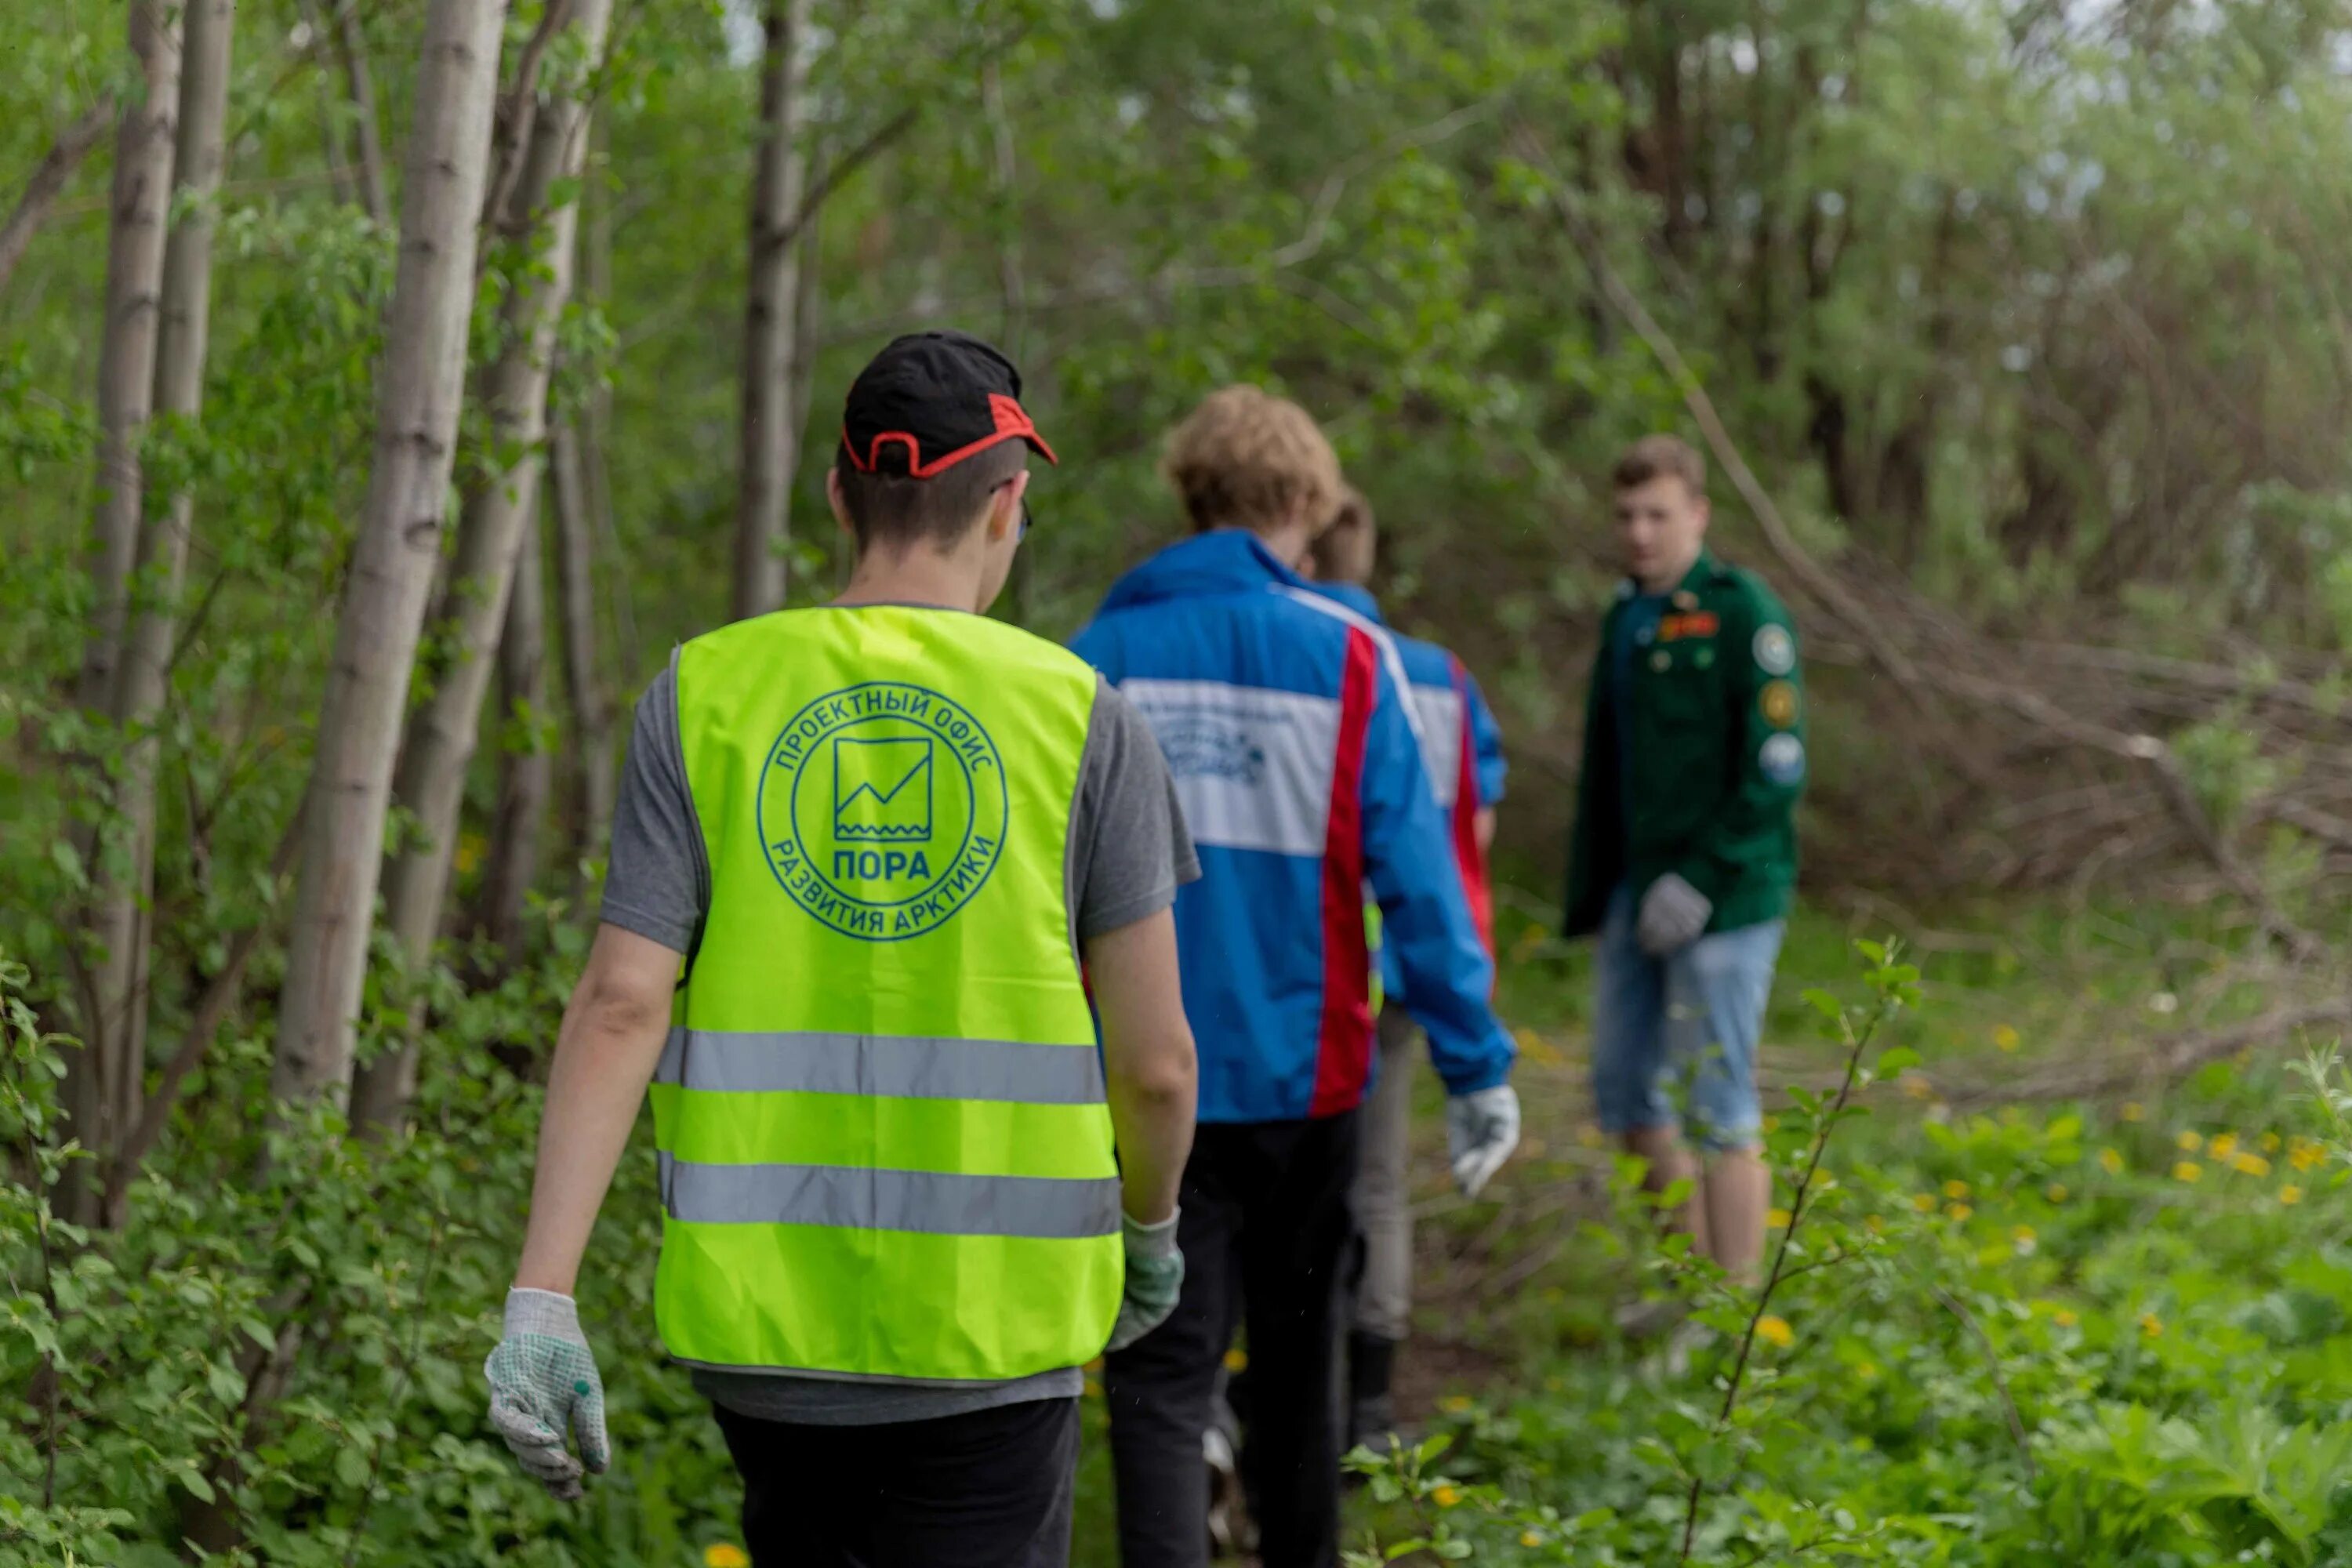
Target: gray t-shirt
x,y
1128,851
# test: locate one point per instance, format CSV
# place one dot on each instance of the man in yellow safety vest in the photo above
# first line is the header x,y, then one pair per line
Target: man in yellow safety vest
x,y
860,853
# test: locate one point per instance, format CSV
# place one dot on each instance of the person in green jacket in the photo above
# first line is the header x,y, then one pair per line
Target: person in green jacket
x,y
1685,852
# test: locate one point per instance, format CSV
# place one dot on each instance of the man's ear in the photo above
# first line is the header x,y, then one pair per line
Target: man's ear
x,y
1004,508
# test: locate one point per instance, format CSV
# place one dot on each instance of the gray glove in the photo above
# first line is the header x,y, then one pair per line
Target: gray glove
x,y
1482,1128
1155,1277
1674,914
543,1381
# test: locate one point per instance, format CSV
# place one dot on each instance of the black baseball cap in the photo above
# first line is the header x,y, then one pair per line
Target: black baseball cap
x,y
940,396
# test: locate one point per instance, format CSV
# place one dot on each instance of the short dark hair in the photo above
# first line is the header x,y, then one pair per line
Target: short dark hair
x,y
896,509
1344,551
1658,457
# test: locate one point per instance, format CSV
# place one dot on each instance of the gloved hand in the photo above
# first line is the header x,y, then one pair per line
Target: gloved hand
x,y
1673,915
1482,1128
1155,1277
543,1380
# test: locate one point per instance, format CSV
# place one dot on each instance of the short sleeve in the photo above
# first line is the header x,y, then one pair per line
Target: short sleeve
x,y
1129,850
658,883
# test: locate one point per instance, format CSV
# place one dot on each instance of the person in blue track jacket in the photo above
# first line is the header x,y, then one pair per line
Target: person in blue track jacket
x,y
1462,748
1286,723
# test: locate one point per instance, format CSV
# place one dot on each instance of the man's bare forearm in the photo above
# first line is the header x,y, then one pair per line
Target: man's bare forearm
x,y
605,1054
1149,1065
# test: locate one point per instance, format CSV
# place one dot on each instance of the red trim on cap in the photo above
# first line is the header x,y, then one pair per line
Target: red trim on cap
x,y
1013,423
1343,1053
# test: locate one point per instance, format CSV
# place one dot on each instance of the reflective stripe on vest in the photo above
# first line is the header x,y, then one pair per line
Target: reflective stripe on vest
x,y
884,1146
812,1062
928,1201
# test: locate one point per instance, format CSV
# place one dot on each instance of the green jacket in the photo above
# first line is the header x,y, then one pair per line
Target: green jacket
x,y
1719,742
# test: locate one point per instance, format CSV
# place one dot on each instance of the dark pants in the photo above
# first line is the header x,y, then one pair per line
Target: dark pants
x,y
1265,1226
990,1489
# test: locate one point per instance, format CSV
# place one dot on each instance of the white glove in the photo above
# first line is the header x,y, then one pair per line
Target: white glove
x,y
1482,1128
1155,1279
543,1384
1673,915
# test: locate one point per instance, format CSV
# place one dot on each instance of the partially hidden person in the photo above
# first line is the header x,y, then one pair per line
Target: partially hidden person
x,y
860,854
1286,720
1461,750
1685,852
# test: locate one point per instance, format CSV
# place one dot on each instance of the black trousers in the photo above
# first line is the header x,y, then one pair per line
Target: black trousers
x,y
1266,1223
990,1489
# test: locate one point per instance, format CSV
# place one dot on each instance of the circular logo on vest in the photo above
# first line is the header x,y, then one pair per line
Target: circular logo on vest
x,y
882,809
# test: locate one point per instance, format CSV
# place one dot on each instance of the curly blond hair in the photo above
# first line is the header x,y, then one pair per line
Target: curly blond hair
x,y
1247,459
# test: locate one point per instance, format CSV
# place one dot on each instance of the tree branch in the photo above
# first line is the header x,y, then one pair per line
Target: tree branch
x,y
49,177
837,173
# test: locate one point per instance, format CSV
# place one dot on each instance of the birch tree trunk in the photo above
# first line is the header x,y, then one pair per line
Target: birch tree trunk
x,y
421,383
125,894
576,606
144,151
499,507
367,142
769,440
526,774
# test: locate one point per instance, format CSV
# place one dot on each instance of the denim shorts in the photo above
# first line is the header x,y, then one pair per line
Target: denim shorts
x,y
1679,1033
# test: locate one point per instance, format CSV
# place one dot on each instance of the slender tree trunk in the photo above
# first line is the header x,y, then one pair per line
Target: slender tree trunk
x,y
358,81
500,504
526,773
420,382
770,446
50,178
124,899
126,384
583,686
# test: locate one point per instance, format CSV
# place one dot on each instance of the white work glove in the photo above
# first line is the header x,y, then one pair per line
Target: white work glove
x,y
543,1381
1155,1277
1673,915
1482,1128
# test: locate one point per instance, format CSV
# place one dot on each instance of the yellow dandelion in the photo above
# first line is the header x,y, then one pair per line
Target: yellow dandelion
x,y
1455,1404
2022,1235
725,1554
467,858
1445,1496
2307,1157
1531,1539
1237,1360
2064,1318
2133,1110
2056,1192
1772,1124
1956,1189
1589,1135
2190,1141
1959,1211
2007,1037
1876,1224
2223,1146
1924,1202
2150,1324
1778,1220
2270,1142
2187,1171
1775,1330
2250,1166
2111,1161
2290,1194
1866,1370
1917,1085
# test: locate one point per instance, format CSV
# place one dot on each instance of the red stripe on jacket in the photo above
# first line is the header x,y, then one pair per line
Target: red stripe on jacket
x,y
1343,1054
1467,855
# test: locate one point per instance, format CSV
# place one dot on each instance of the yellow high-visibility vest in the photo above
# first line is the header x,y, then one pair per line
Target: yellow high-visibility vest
x,y
884,1147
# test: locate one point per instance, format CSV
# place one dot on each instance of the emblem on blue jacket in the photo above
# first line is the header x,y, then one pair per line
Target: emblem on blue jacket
x,y
882,809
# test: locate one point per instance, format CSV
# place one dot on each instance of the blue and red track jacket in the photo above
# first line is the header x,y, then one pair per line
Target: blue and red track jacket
x,y
1460,747
1297,759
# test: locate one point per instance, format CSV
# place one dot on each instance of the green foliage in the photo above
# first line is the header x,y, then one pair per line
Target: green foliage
x,y
2020,1339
